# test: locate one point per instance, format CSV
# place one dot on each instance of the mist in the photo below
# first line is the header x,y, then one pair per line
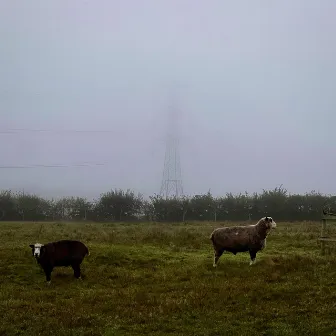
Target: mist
x,y
91,82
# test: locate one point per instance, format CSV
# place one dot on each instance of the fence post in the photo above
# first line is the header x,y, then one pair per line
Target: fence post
x,y
324,239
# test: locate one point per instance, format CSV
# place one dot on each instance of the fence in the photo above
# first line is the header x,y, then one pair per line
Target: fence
x,y
325,238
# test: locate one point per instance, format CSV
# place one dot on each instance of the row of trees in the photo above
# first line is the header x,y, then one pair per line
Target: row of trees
x,y
119,205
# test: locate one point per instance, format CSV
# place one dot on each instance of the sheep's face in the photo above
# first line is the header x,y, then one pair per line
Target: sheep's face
x,y
36,249
270,224
266,224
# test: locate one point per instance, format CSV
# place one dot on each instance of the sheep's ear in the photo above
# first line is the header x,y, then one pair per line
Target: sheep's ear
x,y
31,246
266,218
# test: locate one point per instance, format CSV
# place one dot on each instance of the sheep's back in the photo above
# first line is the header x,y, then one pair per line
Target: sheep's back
x,y
63,252
233,238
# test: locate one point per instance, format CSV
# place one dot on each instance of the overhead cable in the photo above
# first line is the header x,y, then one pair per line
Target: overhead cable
x,y
51,165
28,130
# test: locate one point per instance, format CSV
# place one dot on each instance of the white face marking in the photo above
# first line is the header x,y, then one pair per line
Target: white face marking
x,y
273,224
37,249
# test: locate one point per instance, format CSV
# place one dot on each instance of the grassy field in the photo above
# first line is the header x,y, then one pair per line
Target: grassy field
x,y
158,279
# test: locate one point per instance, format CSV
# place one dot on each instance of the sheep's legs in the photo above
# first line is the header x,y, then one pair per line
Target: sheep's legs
x,y
77,272
47,272
253,256
217,255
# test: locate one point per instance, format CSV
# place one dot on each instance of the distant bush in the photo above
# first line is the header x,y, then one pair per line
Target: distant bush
x,y
119,205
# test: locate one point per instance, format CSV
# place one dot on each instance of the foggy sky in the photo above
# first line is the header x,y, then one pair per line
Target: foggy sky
x,y
254,80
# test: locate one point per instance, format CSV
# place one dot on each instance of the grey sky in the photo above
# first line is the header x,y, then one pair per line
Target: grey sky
x,y
255,83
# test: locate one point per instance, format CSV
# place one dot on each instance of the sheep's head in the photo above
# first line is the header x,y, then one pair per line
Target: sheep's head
x,y
36,249
267,223
270,222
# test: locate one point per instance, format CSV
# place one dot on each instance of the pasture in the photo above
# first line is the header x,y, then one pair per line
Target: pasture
x,y
158,279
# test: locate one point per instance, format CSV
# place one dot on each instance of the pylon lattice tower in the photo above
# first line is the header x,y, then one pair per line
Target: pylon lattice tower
x,y
171,186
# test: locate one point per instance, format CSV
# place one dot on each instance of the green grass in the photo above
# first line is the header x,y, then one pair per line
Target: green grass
x,y
158,279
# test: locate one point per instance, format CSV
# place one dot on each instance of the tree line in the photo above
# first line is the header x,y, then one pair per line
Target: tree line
x,y
120,205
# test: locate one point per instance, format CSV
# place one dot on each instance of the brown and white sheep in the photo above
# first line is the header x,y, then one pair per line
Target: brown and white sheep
x,y
250,238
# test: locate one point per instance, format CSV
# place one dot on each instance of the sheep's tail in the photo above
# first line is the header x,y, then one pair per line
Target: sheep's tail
x,y
212,236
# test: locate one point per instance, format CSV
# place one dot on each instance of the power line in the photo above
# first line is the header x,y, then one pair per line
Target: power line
x,y
29,130
52,166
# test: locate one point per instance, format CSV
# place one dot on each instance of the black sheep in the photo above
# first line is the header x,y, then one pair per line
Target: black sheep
x,y
60,253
